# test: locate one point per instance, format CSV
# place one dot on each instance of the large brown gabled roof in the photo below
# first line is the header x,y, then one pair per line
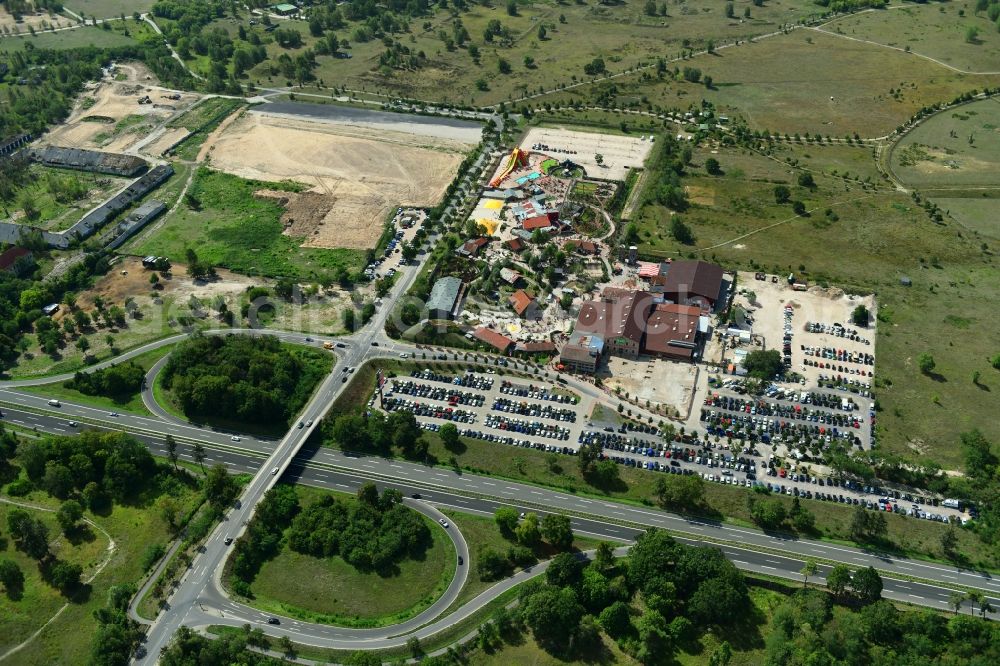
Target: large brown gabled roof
x,y
693,278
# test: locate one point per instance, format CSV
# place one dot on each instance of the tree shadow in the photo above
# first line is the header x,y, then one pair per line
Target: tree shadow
x,y
982,387
936,376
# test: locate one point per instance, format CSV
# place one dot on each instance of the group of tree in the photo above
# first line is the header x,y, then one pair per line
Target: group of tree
x,y
31,536
650,605
95,468
526,537
764,364
666,166
378,432
262,539
247,378
771,513
598,470
120,381
21,301
371,534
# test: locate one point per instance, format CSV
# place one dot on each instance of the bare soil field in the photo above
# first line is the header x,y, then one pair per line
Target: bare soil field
x,y
109,116
167,140
619,153
359,173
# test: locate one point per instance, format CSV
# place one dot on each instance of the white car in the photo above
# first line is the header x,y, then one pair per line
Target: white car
x,y
444,523
235,438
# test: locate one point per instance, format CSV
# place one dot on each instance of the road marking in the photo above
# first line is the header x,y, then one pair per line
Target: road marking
x,y
949,577
487,483
905,587
916,596
739,562
764,566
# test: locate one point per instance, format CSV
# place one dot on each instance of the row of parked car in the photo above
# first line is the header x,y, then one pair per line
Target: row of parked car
x,y
830,365
515,441
533,409
786,340
785,419
842,355
837,329
764,408
508,388
536,428
451,396
467,380
393,404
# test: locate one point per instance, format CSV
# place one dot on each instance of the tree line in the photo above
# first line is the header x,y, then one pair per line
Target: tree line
x,y
119,381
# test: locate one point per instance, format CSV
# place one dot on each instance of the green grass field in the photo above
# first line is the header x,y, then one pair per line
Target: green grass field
x,y
22,615
67,39
935,30
975,214
201,121
331,591
52,214
956,148
109,8
133,528
784,84
235,230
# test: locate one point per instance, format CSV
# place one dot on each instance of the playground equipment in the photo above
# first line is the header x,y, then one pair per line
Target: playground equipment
x,y
517,158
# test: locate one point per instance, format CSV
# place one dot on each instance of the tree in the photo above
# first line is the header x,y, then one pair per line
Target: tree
x,y
527,532
861,316
599,159
949,539
506,519
65,576
926,363
565,570
838,579
798,208
557,531
769,513
616,619
712,167
650,8
491,565
220,488
541,33
30,535
680,491
972,35
199,454
503,66
169,510
763,364
955,600
806,180
680,231
368,494
730,10
69,514
511,7
808,571
553,615
604,558
11,577
171,445
867,585
782,194
449,436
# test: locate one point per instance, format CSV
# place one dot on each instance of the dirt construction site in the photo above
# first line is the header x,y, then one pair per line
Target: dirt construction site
x,y
357,174
109,116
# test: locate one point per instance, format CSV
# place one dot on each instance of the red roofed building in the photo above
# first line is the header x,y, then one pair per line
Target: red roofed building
x,y
582,246
500,342
13,258
515,244
524,304
672,331
618,317
472,247
693,283
537,222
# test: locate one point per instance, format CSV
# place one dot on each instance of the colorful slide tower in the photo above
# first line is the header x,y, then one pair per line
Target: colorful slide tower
x,y
517,158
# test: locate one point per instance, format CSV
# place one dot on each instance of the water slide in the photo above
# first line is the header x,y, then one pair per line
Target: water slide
x,y
517,158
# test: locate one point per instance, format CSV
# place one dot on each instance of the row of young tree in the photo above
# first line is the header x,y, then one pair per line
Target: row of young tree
x,y
247,378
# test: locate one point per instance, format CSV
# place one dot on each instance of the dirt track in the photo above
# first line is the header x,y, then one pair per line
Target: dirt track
x,y
363,172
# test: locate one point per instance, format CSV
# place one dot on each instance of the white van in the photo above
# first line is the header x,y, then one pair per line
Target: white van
x,y
54,403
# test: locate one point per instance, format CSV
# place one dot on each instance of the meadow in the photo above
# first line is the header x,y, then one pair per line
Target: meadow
x,y
936,30
233,229
802,81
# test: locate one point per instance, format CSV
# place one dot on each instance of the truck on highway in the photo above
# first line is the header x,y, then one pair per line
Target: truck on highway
x,y
327,345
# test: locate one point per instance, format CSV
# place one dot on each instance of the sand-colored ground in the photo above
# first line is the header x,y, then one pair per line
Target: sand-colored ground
x,y
167,140
619,153
363,171
94,127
